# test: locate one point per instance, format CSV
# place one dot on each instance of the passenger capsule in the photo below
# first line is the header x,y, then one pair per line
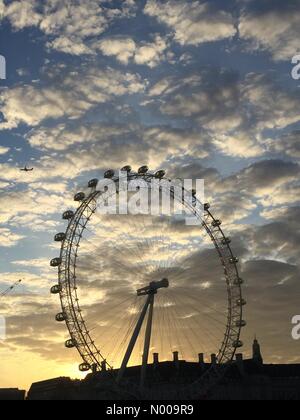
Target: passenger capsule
x,y
93,183
109,174
160,174
143,170
241,324
79,196
69,214
84,367
127,169
226,241
61,317
216,223
60,237
55,262
238,282
237,344
234,260
55,290
241,302
70,344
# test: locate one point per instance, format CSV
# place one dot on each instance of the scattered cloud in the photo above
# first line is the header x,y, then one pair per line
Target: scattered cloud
x,y
151,54
288,144
130,143
65,97
70,25
235,112
194,22
273,106
272,27
126,50
8,238
262,178
121,48
4,150
115,100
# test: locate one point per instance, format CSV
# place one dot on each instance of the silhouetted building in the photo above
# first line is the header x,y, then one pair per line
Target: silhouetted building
x,y
256,353
55,389
12,394
244,380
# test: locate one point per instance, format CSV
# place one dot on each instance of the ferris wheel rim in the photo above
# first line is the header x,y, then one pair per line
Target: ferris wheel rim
x,y
80,336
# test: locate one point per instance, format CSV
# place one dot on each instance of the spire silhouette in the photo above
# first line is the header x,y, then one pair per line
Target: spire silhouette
x,y
257,356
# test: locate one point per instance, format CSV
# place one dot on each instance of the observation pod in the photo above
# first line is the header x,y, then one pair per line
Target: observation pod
x,y
234,260
160,174
84,367
55,262
241,302
109,174
216,223
79,196
61,317
226,241
241,324
143,170
60,237
127,169
55,290
69,214
93,183
206,206
70,344
237,344
238,282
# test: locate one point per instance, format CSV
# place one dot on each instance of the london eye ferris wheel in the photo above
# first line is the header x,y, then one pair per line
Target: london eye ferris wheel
x,y
131,284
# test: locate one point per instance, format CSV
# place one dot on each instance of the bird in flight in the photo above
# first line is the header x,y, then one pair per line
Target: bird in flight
x,y
26,169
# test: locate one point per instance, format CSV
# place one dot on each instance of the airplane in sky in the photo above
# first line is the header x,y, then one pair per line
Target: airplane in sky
x,y
26,169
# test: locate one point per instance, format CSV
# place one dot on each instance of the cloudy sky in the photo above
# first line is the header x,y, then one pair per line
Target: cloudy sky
x,y
201,89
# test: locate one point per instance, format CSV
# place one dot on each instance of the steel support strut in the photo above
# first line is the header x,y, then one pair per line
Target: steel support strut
x,y
147,341
149,291
133,340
